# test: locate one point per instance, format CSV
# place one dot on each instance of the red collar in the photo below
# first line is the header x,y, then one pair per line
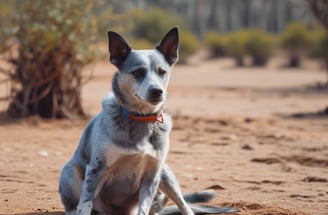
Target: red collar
x,y
147,118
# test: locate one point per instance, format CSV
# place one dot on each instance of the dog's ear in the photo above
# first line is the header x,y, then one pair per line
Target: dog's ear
x,y
119,49
169,46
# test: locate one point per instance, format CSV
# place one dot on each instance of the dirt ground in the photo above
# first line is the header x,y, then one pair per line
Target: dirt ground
x,y
252,134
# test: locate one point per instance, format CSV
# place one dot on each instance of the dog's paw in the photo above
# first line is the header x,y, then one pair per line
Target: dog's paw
x,y
187,211
84,208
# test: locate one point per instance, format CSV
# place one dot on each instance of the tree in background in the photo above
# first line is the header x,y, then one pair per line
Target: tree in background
x,y
259,46
45,45
152,23
236,46
215,43
255,43
295,40
319,9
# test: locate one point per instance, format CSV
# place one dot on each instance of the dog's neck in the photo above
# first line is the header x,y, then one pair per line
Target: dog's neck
x,y
152,118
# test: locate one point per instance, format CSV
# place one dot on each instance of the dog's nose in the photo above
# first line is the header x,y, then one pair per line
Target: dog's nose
x,y
155,92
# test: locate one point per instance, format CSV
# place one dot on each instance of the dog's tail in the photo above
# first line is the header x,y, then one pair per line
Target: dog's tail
x,y
199,197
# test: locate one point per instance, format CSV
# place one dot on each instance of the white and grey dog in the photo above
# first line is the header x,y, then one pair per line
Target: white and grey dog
x,y
119,166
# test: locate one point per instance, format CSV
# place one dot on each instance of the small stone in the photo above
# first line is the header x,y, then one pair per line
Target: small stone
x,y
247,147
43,153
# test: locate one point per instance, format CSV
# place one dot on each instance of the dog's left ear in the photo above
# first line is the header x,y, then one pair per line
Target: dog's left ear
x,y
119,49
169,46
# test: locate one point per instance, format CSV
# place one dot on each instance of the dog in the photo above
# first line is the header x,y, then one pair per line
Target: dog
x,y
119,165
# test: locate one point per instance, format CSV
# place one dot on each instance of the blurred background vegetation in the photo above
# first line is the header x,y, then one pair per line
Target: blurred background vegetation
x,y
45,44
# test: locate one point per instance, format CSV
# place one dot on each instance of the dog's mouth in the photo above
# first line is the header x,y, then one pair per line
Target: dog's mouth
x,y
152,101
155,102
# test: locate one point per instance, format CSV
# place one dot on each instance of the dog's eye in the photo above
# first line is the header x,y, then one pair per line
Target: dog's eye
x,y
139,73
161,72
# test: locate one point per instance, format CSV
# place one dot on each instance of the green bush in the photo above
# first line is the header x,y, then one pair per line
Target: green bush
x,y
295,37
188,46
152,24
295,40
141,44
47,48
318,48
259,46
323,49
215,43
235,46
255,43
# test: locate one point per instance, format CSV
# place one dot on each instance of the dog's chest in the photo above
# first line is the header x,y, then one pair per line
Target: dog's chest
x,y
143,146
125,168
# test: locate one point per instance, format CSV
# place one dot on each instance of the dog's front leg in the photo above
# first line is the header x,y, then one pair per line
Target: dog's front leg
x,y
91,180
170,186
147,194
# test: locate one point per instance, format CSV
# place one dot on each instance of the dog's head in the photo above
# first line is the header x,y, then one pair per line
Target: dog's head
x,y
141,82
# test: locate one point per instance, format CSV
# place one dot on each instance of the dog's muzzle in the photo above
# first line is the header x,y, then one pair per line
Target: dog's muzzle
x,y
155,95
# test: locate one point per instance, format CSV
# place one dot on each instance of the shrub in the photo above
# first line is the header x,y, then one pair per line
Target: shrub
x,y
188,46
152,24
295,40
259,46
255,43
323,49
235,46
318,48
319,9
215,43
323,53
141,44
48,50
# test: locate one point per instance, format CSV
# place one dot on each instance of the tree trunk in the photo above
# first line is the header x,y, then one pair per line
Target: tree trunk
x,y
294,61
239,60
259,61
50,84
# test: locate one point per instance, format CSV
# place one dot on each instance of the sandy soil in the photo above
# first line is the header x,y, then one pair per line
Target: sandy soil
x,y
234,132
